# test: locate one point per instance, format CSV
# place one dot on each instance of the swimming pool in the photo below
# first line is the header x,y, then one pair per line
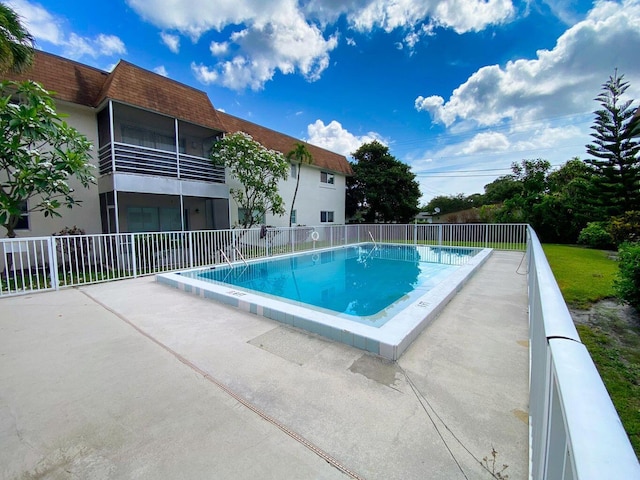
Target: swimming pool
x,y
374,297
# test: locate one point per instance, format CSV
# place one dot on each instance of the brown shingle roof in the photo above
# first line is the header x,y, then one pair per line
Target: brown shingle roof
x,y
71,81
283,143
133,85
80,84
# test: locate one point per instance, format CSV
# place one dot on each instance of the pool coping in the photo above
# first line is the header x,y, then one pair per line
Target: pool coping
x,y
389,340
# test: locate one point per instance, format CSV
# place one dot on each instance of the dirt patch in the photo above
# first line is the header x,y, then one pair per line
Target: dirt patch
x,y
606,311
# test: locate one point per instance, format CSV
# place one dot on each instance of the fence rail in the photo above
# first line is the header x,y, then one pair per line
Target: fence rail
x,y
33,264
575,431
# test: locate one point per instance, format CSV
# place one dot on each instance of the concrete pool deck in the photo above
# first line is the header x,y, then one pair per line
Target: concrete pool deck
x,y
133,379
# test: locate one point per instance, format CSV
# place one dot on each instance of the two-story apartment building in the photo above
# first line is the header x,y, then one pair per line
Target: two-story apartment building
x,y
152,137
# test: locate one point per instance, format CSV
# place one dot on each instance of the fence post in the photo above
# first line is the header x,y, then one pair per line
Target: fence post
x,y
191,265
134,261
440,234
415,233
53,263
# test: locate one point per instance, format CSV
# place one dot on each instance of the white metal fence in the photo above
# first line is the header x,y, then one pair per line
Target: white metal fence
x,y
33,264
575,430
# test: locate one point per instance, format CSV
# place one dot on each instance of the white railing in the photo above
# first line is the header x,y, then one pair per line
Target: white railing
x,y
151,161
31,264
575,430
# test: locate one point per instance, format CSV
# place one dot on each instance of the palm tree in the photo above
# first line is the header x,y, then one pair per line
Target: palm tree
x,y
16,43
301,155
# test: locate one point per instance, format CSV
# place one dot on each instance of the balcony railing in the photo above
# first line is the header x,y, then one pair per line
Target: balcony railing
x,y
150,161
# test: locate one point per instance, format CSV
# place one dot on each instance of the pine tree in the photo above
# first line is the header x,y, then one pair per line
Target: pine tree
x,y
616,148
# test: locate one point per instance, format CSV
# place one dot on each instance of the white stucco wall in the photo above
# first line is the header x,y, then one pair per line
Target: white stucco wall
x,y
313,197
87,214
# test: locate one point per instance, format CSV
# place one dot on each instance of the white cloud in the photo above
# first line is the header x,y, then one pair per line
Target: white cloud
x,y
460,15
39,22
560,81
486,141
288,36
161,70
337,139
218,48
49,28
171,41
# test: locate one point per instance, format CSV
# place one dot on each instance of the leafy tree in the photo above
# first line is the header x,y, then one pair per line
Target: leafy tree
x,y
531,175
382,189
616,164
39,152
567,206
16,43
301,155
501,189
258,169
450,203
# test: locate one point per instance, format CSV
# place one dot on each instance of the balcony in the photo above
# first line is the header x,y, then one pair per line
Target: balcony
x,y
127,158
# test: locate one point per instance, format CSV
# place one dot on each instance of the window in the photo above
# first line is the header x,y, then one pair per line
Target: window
x,y
326,217
294,215
294,170
327,177
23,222
152,219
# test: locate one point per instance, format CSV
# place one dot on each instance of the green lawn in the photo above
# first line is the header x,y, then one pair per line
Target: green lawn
x,y
583,274
586,276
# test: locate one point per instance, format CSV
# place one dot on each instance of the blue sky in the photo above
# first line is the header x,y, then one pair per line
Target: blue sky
x,y
458,89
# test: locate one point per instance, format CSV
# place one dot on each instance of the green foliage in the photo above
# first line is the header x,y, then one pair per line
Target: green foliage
x,y
258,169
451,203
596,235
382,189
625,228
16,43
627,282
616,149
501,189
584,275
39,153
302,156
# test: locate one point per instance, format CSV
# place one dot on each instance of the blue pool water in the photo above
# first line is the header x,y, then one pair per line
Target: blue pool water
x,y
365,283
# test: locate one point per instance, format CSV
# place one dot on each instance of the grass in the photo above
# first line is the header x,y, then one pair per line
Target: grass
x,y
586,276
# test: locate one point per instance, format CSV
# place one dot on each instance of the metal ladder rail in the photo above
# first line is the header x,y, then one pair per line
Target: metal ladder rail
x,y
224,255
240,253
372,239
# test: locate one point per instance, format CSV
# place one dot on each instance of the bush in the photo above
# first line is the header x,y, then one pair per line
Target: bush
x,y
627,281
596,235
625,228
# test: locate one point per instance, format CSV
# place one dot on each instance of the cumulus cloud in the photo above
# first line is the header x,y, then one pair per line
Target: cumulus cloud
x,y
218,48
161,70
486,141
39,22
171,41
560,81
459,15
337,139
49,28
288,36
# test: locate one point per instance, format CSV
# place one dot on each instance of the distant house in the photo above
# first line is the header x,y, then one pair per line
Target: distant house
x,y
152,138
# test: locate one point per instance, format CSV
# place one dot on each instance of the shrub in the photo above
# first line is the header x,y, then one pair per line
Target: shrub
x,y
625,228
627,281
596,235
